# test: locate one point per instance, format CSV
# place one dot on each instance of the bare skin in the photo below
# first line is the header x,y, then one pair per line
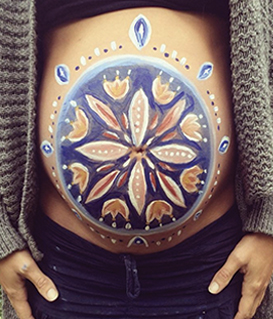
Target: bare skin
x,y
253,255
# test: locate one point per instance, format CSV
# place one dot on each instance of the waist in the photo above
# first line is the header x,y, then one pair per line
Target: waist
x,y
52,237
139,136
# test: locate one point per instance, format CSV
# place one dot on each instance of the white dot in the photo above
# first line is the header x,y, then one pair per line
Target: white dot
x,y
113,45
97,52
216,109
83,60
163,48
183,61
54,104
219,120
174,54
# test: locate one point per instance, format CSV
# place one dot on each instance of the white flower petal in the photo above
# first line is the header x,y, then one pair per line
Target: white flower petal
x,y
174,153
137,187
103,150
139,116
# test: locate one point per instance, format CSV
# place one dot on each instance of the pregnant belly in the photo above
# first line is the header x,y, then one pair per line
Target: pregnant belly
x,y
136,126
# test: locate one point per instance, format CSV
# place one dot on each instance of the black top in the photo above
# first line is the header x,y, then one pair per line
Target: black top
x,y
52,13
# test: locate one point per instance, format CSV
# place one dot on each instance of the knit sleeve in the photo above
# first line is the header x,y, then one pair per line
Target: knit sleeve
x,y
252,91
10,240
17,100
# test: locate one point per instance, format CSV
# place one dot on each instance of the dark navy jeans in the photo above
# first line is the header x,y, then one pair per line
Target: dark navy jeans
x,y
96,284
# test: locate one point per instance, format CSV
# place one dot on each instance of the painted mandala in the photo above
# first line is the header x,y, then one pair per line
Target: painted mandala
x,y
134,145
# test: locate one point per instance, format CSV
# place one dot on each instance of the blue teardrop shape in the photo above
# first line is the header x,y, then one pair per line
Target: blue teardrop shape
x,y
140,32
224,145
205,71
47,148
62,74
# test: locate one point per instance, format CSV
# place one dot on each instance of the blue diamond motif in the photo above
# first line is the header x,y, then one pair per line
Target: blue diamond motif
x,y
140,32
205,71
62,74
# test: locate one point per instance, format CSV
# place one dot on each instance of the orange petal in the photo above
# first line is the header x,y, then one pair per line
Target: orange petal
x,y
114,207
80,126
117,89
80,175
161,92
191,128
189,179
157,209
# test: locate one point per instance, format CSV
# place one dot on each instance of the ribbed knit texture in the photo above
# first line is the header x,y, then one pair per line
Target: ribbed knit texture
x,y
252,80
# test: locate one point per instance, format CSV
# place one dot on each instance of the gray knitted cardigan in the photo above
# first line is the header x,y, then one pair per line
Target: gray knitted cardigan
x,y
251,42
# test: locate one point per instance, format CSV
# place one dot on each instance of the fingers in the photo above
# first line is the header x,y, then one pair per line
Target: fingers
x,y
43,284
252,296
20,304
224,275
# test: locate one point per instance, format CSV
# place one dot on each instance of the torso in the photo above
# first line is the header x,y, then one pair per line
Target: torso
x,y
135,127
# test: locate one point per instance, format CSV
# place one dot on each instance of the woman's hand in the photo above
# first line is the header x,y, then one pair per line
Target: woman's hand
x,y
253,256
14,269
